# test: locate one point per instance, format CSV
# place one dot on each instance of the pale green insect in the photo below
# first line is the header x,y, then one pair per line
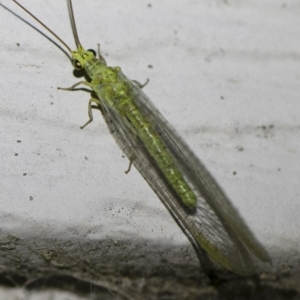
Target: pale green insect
x,y
175,174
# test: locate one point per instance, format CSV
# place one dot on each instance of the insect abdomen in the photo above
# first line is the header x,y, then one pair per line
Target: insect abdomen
x,y
159,152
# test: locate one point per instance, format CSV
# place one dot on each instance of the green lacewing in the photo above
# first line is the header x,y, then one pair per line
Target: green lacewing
x,y
176,175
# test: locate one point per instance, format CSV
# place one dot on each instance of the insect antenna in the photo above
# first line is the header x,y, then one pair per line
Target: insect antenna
x,y
45,26
73,23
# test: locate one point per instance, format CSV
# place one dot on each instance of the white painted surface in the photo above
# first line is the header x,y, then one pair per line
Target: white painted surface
x,y
221,71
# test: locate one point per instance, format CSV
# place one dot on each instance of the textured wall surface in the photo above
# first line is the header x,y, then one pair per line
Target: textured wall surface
x,y
226,74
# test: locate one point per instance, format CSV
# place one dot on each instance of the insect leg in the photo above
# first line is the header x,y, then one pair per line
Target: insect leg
x,y
129,167
72,88
140,85
99,54
90,113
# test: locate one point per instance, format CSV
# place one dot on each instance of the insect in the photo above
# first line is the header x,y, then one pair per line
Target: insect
x,y
176,175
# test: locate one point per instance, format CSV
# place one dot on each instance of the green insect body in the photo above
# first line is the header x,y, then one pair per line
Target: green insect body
x,y
113,89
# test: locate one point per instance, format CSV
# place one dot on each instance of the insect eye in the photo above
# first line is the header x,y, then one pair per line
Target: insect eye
x,y
77,65
92,51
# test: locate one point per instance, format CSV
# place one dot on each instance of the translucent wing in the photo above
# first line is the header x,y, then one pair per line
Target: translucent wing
x,y
200,177
214,225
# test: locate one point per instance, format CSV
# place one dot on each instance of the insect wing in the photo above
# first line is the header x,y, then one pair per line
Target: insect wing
x,y
206,188
208,226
